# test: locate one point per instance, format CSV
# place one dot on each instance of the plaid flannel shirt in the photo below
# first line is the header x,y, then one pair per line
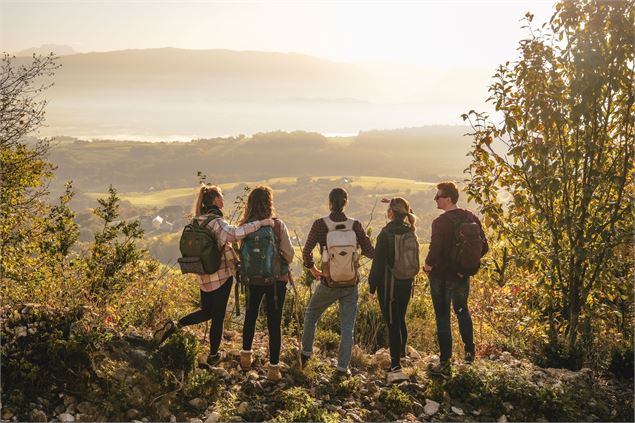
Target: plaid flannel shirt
x,y
225,235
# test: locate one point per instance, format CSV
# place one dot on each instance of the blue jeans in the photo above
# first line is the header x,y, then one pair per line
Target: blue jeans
x,y
456,293
322,298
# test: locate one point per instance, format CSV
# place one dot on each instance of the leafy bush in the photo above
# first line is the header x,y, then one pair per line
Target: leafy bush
x,y
179,352
622,361
395,400
298,405
39,349
203,384
558,355
327,340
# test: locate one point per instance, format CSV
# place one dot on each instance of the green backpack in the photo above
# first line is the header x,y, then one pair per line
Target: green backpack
x,y
199,248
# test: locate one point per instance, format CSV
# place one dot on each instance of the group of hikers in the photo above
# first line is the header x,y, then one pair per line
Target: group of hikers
x,y
262,264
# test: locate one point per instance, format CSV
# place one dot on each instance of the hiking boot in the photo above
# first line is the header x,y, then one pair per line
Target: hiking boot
x,y
395,375
273,372
214,359
342,374
246,358
164,332
444,369
469,357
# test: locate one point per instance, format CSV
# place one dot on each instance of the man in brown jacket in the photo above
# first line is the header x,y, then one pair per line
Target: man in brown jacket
x,y
447,284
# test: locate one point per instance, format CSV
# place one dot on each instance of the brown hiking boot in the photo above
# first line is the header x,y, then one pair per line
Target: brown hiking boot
x,y
246,358
273,373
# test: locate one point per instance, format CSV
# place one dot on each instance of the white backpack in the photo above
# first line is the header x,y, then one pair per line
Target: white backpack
x,y
340,258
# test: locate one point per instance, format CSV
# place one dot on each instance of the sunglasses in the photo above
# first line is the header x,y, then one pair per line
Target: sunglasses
x,y
436,197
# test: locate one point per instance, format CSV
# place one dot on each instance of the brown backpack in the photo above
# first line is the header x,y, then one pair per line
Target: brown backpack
x,y
467,246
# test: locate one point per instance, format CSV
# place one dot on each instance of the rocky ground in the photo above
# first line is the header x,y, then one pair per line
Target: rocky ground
x,y
50,373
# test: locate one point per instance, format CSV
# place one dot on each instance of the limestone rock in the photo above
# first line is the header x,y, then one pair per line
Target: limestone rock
x,y
502,419
458,411
198,403
381,358
214,417
65,417
243,407
85,407
431,407
37,415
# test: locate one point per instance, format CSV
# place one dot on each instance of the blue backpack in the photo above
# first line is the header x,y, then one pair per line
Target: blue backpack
x,y
260,260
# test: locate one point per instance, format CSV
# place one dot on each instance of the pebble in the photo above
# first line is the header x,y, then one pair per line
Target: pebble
x,y
458,411
431,407
243,407
198,403
502,419
85,407
38,415
214,417
65,417
195,420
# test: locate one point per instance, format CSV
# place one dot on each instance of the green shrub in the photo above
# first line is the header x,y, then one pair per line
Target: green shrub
x,y
558,355
203,384
622,361
39,349
346,386
395,400
327,340
298,405
179,352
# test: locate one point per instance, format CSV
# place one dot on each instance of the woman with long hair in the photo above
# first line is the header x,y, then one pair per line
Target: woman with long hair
x,y
216,287
392,274
260,206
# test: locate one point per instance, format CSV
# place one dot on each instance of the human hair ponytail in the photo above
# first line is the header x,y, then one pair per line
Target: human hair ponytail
x,y
205,198
401,211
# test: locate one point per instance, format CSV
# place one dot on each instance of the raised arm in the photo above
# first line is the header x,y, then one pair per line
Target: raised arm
x,y
227,233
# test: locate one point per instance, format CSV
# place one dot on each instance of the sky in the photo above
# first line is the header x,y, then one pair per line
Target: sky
x,y
441,34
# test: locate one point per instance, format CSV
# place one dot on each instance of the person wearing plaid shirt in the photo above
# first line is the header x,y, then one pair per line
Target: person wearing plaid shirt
x,y
216,287
324,295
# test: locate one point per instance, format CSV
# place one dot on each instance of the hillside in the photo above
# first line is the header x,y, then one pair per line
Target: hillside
x,y
125,378
424,154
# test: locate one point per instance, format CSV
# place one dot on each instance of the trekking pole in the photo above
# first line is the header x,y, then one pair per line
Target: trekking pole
x,y
297,320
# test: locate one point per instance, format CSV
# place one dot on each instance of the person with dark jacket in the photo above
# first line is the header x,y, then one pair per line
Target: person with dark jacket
x,y
448,286
394,295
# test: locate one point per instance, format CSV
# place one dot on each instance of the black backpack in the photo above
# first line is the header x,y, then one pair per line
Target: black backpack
x,y
199,248
467,247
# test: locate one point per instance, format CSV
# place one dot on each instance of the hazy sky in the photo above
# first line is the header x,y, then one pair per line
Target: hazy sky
x,y
432,33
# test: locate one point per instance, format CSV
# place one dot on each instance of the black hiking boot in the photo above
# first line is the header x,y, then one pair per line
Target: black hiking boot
x,y
443,369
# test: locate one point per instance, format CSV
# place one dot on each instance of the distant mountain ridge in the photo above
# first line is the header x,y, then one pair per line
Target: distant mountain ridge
x,y
46,49
165,92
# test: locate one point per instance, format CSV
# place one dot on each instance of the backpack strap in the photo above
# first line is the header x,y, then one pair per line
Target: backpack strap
x,y
332,226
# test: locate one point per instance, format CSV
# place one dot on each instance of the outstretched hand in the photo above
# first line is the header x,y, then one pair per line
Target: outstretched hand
x,y
316,273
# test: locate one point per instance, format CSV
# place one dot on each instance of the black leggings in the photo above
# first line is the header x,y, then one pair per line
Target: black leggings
x,y
397,331
213,306
274,316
